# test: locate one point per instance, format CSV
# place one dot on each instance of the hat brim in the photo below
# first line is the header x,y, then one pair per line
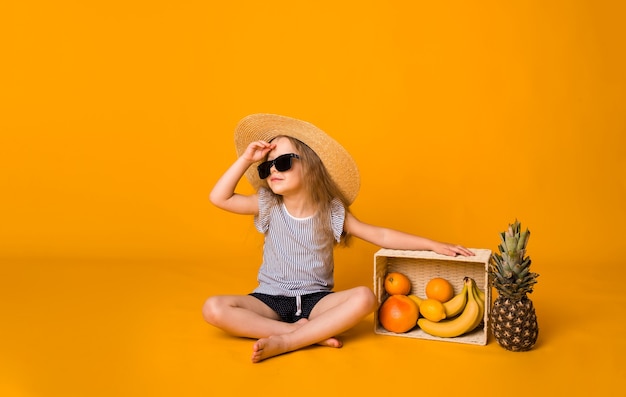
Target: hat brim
x,y
339,163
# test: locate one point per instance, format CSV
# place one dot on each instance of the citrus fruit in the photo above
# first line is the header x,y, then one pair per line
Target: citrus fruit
x,y
439,289
432,310
398,314
397,284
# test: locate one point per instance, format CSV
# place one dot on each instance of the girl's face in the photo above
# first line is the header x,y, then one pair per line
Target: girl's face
x,y
286,182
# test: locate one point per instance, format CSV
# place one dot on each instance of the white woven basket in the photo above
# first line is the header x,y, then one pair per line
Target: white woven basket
x,y
422,266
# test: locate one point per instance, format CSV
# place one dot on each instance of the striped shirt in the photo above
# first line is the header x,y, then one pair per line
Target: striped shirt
x,y
294,261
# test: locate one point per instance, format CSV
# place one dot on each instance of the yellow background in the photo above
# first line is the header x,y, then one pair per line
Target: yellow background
x,y
117,117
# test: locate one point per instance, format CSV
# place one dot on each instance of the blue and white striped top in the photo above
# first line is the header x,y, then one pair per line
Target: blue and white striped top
x,y
295,262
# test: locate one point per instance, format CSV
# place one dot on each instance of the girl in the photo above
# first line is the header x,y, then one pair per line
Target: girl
x,y
305,184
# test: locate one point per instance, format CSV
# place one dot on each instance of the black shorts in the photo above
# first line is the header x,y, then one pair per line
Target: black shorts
x,y
291,308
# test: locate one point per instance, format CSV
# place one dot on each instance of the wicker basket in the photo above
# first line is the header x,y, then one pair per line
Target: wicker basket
x,y
420,267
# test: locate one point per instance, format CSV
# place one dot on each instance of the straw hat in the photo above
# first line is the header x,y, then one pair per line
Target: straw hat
x,y
341,166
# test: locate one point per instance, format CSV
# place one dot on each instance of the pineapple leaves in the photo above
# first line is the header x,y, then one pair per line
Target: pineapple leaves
x,y
509,270
523,238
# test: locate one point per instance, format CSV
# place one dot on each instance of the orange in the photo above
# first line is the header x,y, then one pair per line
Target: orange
x,y
397,284
398,314
439,289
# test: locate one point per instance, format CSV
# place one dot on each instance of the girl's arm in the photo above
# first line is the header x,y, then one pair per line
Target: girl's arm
x,y
223,194
394,239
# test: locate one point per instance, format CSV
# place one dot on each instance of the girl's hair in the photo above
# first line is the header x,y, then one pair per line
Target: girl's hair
x,y
320,187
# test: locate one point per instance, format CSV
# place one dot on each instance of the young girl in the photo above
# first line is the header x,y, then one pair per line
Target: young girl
x,y
305,184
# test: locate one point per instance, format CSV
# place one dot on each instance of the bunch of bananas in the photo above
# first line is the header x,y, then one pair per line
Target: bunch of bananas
x,y
464,312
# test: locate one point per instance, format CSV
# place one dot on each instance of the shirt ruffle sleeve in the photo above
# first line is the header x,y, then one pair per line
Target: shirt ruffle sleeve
x,y
337,218
262,219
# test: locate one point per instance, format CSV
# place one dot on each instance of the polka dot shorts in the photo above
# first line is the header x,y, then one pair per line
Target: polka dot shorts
x,y
292,308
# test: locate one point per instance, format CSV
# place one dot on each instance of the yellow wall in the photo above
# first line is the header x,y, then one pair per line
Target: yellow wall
x,y
117,118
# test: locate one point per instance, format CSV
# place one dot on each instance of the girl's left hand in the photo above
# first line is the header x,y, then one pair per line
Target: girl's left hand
x,y
451,250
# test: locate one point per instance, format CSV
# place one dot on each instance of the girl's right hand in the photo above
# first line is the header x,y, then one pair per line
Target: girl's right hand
x,y
257,150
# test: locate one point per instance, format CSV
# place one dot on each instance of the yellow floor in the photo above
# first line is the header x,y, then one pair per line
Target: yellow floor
x,y
133,328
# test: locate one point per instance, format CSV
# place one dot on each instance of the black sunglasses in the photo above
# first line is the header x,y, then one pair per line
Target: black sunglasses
x,y
282,163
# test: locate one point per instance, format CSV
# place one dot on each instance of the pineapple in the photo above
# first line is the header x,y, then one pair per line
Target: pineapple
x,y
513,319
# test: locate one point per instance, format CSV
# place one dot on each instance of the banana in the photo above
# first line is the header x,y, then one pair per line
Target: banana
x,y
480,297
456,305
473,291
464,322
479,293
416,299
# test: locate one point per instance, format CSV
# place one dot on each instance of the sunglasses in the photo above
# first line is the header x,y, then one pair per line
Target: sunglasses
x,y
282,164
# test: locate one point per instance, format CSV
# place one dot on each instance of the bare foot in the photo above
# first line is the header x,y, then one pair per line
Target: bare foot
x,y
268,347
275,345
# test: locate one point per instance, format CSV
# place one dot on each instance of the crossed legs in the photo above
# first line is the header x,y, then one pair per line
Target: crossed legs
x,y
246,316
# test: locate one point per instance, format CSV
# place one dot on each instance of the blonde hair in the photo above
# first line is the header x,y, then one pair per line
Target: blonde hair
x,y
320,187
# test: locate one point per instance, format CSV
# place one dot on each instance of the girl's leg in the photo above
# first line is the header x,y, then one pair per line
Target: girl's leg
x,y
244,315
334,314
